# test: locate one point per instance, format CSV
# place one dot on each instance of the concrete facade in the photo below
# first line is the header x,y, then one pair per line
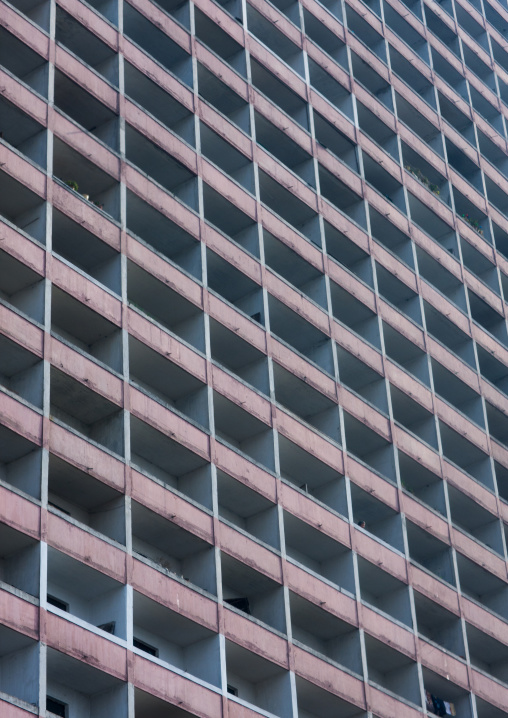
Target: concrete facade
x,y
253,358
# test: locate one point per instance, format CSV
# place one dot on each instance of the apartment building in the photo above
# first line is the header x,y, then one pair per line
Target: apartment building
x,y
253,358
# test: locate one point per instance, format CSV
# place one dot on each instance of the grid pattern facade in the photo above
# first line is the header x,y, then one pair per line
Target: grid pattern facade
x,y
253,358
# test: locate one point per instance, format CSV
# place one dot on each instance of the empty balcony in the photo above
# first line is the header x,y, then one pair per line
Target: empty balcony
x,y
398,294
447,36
76,406
488,318
420,125
318,553
487,653
86,110
449,334
432,224
289,8
342,197
87,594
175,640
169,463
466,455
336,142
315,702
376,129
279,43
21,288
159,103
501,480
476,521
171,549
21,372
167,239
314,478
305,277
86,330
248,510
377,518
371,80
235,287
23,654
147,705
162,167
86,251
232,162
77,689
405,70
498,423
35,10
349,254
384,182
164,305
441,279
390,237
279,93
168,383
19,562
86,46
366,33
369,447
231,221
482,586
178,9
355,315
250,593
285,150
243,431
20,463
285,204
363,380
23,133
492,369
24,209
300,335
306,403
490,151
223,99
157,44
422,483
23,62
257,681
487,710
325,634
463,125
325,39
429,552
438,625
480,266
441,687
483,107
84,499
220,42
331,89
406,354
449,74
454,391
239,357
392,671
85,180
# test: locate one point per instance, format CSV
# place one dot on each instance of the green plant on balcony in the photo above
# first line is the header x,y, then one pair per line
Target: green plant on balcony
x,y
416,172
72,184
472,222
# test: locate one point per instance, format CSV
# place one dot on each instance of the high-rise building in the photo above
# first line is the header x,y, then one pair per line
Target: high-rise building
x,y
253,358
